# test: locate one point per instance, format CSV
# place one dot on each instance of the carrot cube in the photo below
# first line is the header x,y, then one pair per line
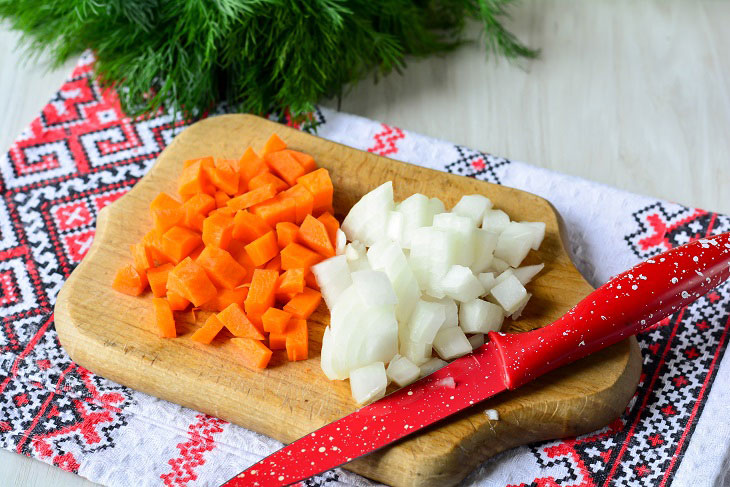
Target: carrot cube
x,y
303,201
311,281
194,179
275,320
238,323
253,353
277,209
248,227
305,160
295,255
247,200
291,281
157,277
178,242
267,178
190,281
261,293
320,185
208,331
250,165
263,249
331,224
221,199
221,267
274,264
277,341
297,340
227,297
286,233
143,257
166,211
177,302
224,175
303,304
129,280
163,318
285,166
196,209
218,230
274,144
314,235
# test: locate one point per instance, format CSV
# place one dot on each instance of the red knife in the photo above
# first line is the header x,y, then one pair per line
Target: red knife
x,y
624,306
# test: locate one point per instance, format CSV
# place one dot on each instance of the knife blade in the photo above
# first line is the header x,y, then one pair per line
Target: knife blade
x,y
628,303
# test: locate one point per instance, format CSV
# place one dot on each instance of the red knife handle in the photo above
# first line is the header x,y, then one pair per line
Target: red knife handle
x,y
624,306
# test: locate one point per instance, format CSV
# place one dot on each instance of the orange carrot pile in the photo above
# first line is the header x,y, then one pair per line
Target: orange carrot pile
x,y
239,242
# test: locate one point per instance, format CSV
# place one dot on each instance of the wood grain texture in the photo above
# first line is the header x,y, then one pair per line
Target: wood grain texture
x,y
113,335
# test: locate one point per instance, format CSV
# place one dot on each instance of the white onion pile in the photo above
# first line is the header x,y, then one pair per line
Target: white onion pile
x,y
415,279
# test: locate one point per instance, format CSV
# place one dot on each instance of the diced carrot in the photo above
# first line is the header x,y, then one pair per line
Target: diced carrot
x,y
178,242
274,264
218,230
284,165
248,227
208,331
267,178
311,281
258,195
297,340
163,318
303,201
305,160
166,211
277,341
331,224
286,233
196,209
190,280
253,353
274,144
263,249
225,298
249,166
157,277
303,304
224,175
221,267
221,199
238,251
152,240
142,256
238,323
277,209
295,255
129,280
320,185
261,294
314,235
291,281
275,320
196,253
177,302
194,179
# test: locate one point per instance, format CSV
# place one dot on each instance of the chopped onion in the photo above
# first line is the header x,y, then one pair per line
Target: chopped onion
x,y
333,277
418,353
509,294
368,218
340,242
514,243
436,205
395,227
402,371
495,221
356,257
463,229
521,307
479,316
426,321
368,383
326,357
485,241
452,310
498,265
451,343
461,284
488,281
374,288
538,233
472,206
432,366
388,257
417,213
526,273
476,340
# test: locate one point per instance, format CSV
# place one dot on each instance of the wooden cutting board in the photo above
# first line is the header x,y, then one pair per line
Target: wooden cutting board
x,y
113,334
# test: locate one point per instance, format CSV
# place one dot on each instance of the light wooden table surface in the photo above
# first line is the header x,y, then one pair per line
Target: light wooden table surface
x,y
631,94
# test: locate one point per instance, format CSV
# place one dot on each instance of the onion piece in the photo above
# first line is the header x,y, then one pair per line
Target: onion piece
x,y
452,310
374,288
479,316
473,207
495,221
526,273
368,218
436,205
340,242
461,284
418,353
514,243
426,321
402,371
368,383
476,340
538,233
451,343
463,229
326,357
417,213
388,257
432,366
396,223
356,257
485,241
509,294
498,265
333,277
521,308
487,280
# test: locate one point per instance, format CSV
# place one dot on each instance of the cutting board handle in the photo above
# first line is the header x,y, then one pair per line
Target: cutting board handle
x,y
627,304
